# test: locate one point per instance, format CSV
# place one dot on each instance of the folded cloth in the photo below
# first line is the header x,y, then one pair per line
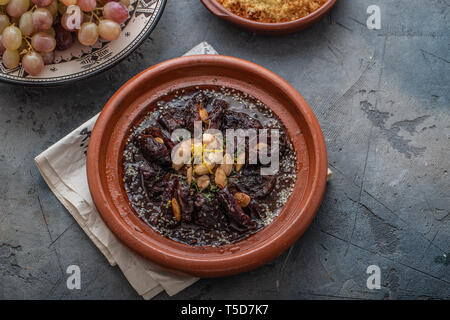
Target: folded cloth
x,y
63,167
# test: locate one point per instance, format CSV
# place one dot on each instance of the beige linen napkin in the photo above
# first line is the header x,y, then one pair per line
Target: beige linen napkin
x,y
63,167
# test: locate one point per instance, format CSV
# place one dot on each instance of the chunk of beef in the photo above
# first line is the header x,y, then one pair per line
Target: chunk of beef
x,y
268,186
282,142
233,210
160,133
191,113
167,217
216,114
209,214
255,210
186,202
198,100
152,179
152,150
170,122
240,120
251,182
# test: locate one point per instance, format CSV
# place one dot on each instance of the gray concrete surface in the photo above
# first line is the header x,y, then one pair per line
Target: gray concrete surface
x,y
382,99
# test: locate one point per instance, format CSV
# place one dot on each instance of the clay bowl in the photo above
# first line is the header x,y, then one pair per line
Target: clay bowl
x,y
138,96
268,28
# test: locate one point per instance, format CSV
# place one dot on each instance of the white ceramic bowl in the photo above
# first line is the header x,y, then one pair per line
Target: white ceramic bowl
x,y
79,62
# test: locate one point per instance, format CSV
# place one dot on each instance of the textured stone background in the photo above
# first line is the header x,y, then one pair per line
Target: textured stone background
x,y
382,99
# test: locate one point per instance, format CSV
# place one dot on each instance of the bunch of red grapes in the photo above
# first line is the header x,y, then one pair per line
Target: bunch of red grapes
x,y
31,31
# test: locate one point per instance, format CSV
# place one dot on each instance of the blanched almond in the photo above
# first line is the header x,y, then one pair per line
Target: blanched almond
x,y
184,150
177,166
220,178
242,199
181,154
189,175
176,209
159,140
240,161
203,114
208,138
212,154
202,169
227,164
203,182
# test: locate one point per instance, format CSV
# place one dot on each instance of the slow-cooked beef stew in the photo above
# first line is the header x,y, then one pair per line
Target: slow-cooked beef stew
x,y
217,199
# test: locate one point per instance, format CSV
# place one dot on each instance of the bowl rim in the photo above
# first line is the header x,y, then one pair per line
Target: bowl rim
x,y
187,263
55,83
277,27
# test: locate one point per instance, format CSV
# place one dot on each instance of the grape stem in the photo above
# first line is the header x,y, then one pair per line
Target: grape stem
x,y
96,16
28,42
30,47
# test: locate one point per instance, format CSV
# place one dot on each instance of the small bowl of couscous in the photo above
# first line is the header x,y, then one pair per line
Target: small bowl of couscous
x,y
271,17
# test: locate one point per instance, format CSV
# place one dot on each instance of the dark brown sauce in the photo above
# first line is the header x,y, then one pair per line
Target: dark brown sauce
x,y
211,216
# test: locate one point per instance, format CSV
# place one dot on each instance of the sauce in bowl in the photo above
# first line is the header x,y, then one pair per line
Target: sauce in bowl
x,y
207,203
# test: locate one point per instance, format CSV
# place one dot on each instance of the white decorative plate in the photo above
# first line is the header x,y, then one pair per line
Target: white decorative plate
x,y
79,62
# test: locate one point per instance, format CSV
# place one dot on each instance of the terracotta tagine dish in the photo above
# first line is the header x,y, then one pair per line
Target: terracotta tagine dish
x,y
206,218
